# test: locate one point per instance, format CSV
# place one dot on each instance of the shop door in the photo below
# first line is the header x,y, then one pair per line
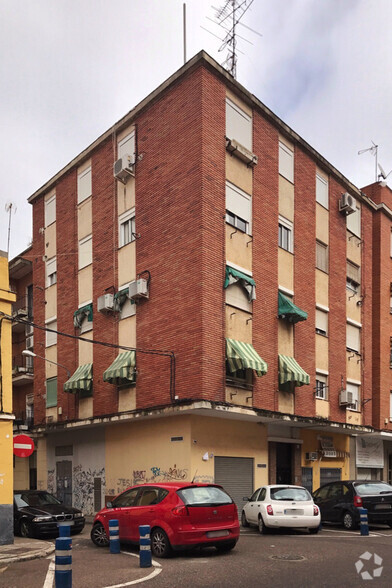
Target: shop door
x,y
235,474
330,475
64,482
284,463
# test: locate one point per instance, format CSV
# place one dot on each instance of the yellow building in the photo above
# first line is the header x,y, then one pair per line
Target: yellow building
x,y
6,416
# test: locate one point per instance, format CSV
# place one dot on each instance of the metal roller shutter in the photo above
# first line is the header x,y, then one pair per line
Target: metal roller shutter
x,y
235,474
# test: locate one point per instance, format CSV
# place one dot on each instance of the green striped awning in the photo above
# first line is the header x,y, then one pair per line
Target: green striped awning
x,y
291,371
81,379
288,311
241,356
233,276
82,313
122,370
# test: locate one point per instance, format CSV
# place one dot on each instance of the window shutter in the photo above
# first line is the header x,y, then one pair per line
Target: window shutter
x,y
353,272
353,339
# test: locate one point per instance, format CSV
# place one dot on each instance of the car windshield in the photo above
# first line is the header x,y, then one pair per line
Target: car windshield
x,y
35,499
370,489
204,496
297,494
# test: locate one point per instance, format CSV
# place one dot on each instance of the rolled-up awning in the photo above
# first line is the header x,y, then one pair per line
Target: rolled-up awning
x,y
291,371
81,379
233,276
289,311
242,356
85,312
122,369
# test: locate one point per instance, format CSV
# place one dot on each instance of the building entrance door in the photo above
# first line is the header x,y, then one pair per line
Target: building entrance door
x,y
64,482
284,459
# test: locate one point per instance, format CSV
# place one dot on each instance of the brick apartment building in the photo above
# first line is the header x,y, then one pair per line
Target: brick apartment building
x,y
237,280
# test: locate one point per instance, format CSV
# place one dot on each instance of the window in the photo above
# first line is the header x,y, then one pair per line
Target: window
x,y
30,406
51,272
239,379
390,405
51,338
286,162
50,210
390,353
126,228
84,185
126,146
354,222
238,208
238,124
322,256
83,318
354,388
353,279
85,251
321,322
321,190
51,392
321,386
285,239
126,306
353,338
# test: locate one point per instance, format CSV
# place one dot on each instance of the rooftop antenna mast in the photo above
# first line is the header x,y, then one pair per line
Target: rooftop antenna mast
x,y
374,151
9,208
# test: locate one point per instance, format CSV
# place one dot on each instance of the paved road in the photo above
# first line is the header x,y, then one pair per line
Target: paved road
x,y
281,559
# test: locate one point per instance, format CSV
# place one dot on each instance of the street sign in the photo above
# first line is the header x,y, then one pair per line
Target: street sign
x,y
23,445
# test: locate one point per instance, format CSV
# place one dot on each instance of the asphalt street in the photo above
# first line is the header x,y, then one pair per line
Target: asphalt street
x,y
332,558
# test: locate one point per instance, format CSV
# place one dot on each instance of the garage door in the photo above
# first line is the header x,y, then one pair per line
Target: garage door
x,y
330,475
235,474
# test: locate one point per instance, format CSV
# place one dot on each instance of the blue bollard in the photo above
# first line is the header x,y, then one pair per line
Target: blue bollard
x,y
64,529
363,515
145,546
114,537
63,563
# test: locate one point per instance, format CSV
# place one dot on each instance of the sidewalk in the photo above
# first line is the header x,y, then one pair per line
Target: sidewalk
x,y
25,549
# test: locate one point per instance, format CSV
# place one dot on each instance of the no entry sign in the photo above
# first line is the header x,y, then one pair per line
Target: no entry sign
x,y
23,446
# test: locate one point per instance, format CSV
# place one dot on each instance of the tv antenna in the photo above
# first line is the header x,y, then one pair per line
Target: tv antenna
x,y
382,173
374,151
228,17
9,208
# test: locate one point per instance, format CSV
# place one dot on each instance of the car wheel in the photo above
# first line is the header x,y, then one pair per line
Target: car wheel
x,y
348,521
263,530
98,535
244,521
160,544
314,530
25,528
225,547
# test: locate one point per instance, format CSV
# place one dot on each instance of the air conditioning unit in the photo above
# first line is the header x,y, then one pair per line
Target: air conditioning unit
x,y
30,342
346,398
311,456
347,203
124,168
105,303
241,152
138,289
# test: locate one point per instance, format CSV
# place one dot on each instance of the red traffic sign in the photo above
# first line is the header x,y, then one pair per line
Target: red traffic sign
x,y
23,445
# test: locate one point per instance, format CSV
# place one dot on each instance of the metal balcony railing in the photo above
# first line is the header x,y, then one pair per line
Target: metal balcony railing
x,y
22,364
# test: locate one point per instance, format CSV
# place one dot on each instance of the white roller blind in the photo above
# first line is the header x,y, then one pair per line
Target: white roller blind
x,y
238,124
354,222
50,210
84,185
127,145
321,321
85,252
321,191
353,337
286,162
238,202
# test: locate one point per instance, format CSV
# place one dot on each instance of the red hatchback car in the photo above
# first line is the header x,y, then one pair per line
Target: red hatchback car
x,y
181,516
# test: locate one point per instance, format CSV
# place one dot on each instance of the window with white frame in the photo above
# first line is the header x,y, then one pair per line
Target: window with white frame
x,y
285,236
238,124
126,146
321,322
354,389
321,190
126,305
126,227
286,162
390,405
353,338
50,210
85,251
51,338
321,386
322,256
238,208
353,277
84,184
354,222
51,272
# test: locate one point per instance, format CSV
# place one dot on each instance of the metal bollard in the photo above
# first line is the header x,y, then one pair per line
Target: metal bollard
x,y
114,537
64,529
363,514
63,563
145,546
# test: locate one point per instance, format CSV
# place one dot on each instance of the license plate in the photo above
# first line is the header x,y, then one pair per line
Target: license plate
x,y
382,506
217,533
293,511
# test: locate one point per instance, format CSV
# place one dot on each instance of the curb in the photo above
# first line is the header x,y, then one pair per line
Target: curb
x,y
36,553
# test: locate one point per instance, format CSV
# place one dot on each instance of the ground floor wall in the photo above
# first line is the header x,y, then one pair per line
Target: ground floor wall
x,y
6,483
325,458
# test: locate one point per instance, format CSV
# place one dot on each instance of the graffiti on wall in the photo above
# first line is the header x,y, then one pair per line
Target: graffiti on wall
x,y
155,474
51,482
83,487
204,479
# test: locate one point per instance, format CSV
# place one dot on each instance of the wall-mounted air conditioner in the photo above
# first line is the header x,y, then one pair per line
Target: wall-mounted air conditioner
x,y
311,456
30,342
105,303
347,204
346,398
241,152
124,168
138,289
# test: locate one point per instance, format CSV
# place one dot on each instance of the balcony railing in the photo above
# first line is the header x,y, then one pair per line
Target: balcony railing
x,y
22,364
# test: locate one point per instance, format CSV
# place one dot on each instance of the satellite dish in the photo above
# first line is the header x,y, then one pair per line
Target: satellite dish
x,y
382,174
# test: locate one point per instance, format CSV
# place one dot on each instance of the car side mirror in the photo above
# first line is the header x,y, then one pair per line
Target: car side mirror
x,y
109,505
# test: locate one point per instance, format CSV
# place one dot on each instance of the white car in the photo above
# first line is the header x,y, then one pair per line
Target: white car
x,y
278,505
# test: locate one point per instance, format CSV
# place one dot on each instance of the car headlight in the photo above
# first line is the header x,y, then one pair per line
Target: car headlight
x,y
78,515
41,519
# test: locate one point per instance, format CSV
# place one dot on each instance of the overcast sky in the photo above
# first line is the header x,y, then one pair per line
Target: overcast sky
x,y
69,69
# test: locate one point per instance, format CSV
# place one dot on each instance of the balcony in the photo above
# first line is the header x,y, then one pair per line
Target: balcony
x,y
22,370
23,422
21,310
